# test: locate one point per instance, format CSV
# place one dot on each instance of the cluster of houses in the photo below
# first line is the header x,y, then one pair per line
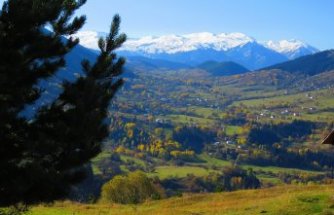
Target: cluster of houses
x,y
278,113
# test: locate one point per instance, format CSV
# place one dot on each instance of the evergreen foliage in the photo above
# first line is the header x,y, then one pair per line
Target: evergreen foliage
x,y
42,157
193,137
269,134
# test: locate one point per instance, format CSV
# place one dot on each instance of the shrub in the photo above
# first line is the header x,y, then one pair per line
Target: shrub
x,y
134,188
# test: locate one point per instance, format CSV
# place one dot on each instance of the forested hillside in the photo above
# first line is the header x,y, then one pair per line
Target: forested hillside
x,y
95,123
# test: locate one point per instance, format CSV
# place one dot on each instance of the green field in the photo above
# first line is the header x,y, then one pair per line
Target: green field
x,y
285,200
213,165
183,119
233,130
209,161
204,167
164,172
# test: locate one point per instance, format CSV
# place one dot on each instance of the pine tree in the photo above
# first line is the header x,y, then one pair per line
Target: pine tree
x,y
41,158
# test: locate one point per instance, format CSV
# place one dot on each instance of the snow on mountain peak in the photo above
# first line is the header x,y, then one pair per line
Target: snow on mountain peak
x,y
291,48
171,44
89,38
286,46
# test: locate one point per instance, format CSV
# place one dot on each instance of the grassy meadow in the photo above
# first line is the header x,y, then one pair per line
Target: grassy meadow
x,y
280,200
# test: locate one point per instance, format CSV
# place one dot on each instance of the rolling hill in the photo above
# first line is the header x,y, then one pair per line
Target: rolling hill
x,y
287,200
223,68
308,65
143,63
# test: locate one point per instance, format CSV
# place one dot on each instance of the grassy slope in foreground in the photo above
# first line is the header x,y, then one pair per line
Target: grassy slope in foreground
x,y
283,200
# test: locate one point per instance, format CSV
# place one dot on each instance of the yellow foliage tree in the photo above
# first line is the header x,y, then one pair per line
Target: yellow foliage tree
x,y
131,189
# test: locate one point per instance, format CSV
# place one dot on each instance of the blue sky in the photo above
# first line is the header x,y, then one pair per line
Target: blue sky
x,y
309,20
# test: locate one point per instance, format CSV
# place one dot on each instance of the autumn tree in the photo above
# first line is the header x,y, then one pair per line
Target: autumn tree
x,y
134,188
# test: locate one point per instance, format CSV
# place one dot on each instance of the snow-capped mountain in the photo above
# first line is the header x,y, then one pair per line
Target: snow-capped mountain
x,y
89,39
171,44
291,48
196,48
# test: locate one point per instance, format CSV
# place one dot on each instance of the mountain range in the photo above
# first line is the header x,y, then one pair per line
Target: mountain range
x,y
197,48
207,56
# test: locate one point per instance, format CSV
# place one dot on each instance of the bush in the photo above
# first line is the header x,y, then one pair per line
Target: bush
x,y
134,188
235,178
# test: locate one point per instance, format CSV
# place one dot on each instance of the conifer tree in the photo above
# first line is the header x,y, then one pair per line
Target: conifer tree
x,y
41,158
